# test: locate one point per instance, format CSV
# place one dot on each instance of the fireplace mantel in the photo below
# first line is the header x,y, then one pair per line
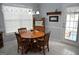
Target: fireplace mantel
x,y
54,13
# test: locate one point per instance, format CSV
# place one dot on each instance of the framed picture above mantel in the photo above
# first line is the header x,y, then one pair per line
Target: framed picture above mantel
x,y
53,18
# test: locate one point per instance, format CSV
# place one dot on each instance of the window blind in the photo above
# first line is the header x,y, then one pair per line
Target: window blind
x,y
16,17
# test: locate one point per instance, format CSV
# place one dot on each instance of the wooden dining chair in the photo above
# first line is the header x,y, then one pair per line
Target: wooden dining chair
x,y
43,42
23,45
47,36
21,30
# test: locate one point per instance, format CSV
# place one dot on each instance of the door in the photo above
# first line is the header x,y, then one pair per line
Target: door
x,y
71,26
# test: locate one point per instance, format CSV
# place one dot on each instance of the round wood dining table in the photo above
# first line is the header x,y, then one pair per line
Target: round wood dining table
x,y
33,37
32,34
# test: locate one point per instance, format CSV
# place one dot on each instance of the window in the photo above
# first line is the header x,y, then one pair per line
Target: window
x,y
16,17
71,26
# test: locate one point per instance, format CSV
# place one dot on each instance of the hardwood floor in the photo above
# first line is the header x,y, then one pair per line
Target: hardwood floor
x,y
56,48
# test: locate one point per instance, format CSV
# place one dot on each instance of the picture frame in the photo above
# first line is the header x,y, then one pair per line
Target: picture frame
x,y
53,18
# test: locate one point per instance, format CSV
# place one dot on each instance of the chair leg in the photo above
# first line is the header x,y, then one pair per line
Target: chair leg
x,y
18,49
22,51
43,50
48,47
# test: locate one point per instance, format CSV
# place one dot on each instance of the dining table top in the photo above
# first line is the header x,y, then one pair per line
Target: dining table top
x,y
32,34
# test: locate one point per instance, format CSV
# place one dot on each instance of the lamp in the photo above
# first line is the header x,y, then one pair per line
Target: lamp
x,y
37,12
29,12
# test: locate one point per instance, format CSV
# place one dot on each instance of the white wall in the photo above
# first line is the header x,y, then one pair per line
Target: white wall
x,y
54,27
57,28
